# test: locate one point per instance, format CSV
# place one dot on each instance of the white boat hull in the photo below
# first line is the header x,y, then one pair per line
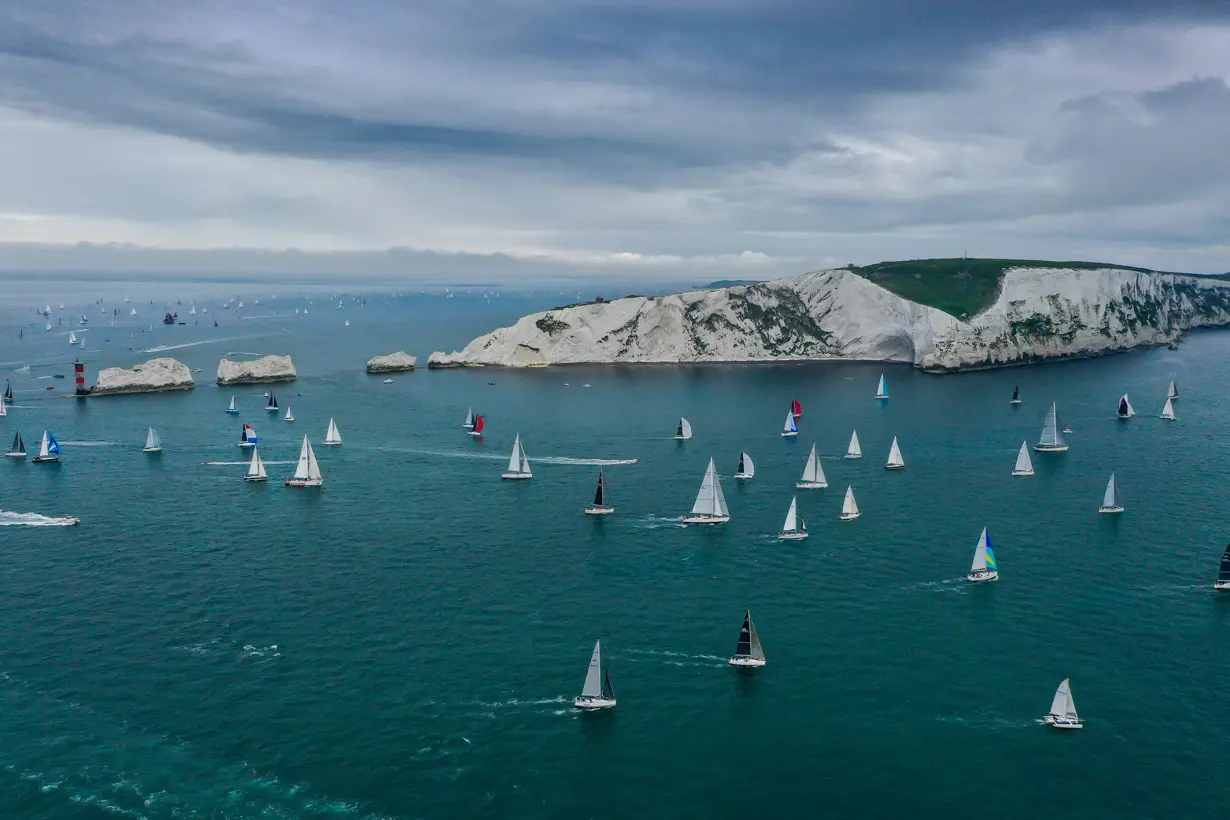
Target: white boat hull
x,y
45,459
596,510
792,535
706,519
246,444
743,476
272,409
811,485
15,455
1050,448
475,434
331,443
255,478
789,434
1221,585
682,438
739,660
849,516
1124,416
593,704
1167,418
468,426
151,449
1062,722
1014,401
516,476
881,395
304,482
1110,510
983,575
852,457
1022,472
233,412
894,466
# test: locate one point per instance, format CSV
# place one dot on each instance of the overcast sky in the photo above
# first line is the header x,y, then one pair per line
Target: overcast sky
x,y
660,138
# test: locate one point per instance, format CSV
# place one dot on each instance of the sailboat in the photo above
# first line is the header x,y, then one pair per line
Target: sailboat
x,y
710,506
895,461
72,338
746,468
1125,410
1016,395
8,392
1223,572
1052,440
748,651
1063,709
247,437
192,310
684,431
795,528
790,429
1111,502
882,388
332,436
469,422
1168,410
307,471
1024,467
1172,392
849,507
855,450
133,312
3,410
796,407
597,692
984,567
256,468
813,473
48,449
232,409
18,450
518,463
272,404
479,424
599,507
153,443
289,416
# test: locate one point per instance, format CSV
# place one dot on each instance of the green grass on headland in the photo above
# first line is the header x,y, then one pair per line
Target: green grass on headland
x,y
961,287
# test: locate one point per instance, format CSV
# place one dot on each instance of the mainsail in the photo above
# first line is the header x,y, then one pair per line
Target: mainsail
x,y
593,676
272,404
1168,410
849,507
307,469
813,472
514,461
855,450
1172,392
600,493
790,428
1051,435
749,642
1125,407
684,430
1062,705
152,441
882,388
1110,499
1023,465
19,446
710,501
984,555
792,517
469,422
746,468
1223,573
894,455
1016,394
256,468
332,436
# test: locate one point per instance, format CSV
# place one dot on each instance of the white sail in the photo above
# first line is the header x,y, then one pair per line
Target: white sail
x,y
1062,704
684,430
894,455
514,461
469,422
525,462
1110,499
709,500
1172,392
152,441
1023,464
1168,410
790,427
855,450
849,507
232,407
792,517
757,651
301,469
813,472
882,388
72,338
593,676
313,469
747,468
1125,407
256,468
3,412
980,553
44,445
719,498
333,436
133,313
289,415
1052,436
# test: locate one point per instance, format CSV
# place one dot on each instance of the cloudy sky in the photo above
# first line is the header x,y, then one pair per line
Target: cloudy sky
x,y
659,138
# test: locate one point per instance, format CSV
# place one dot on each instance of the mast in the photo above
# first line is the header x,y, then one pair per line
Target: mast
x,y
1110,499
894,455
301,469
709,500
981,557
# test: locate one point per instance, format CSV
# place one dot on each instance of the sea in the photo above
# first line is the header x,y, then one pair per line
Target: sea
x,y
407,640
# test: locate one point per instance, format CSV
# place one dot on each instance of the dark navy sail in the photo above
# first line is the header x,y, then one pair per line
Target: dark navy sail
x,y
608,691
1016,393
1223,574
598,494
740,467
8,392
744,647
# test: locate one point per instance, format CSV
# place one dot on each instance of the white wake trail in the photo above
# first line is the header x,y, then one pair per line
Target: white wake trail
x,y
16,519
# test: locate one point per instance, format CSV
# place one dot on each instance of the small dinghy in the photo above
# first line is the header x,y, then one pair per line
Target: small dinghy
x,y
153,442
984,567
849,507
597,692
855,450
684,431
256,468
1016,395
895,461
1168,410
48,449
1223,572
1024,467
710,506
1051,440
307,471
1125,410
479,424
795,528
600,506
247,436
469,422
813,473
518,463
746,469
882,388
748,651
1111,502
272,404
289,415
18,448
332,436
790,428
232,409
1063,709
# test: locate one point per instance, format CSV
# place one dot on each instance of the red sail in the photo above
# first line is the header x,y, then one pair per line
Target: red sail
x,y
479,424
796,407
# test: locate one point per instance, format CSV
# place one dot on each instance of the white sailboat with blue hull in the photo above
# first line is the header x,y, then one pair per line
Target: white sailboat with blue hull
x,y
791,428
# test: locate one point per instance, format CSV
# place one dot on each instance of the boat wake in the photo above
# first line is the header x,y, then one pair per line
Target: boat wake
x,y
243,463
958,585
989,722
262,316
222,646
584,462
561,460
652,522
16,519
669,658
161,348
92,443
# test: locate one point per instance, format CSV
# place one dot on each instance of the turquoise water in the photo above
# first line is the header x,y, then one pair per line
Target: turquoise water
x,y
406,642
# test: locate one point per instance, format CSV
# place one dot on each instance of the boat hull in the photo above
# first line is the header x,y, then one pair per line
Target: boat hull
x,y
304,482
849,516
811,485
593,704
1124,416
476,434
789,434
745,662
982,575
1167,418
706,519
516,476
1223,585
331,443
596,510
743,477
1050,448
682,438
894,466
45,459
792,535
15,455
1023,473
292,418
1110,510
1063,723
246,444
1014,401
255,478
848,456
881,395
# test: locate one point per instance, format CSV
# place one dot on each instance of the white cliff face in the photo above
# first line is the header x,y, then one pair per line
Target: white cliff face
x,y
267,369
1040,313
392,363
154,376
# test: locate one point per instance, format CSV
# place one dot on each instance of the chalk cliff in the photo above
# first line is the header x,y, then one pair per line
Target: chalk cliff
x,y
154,376
1040,313
266,369
392,363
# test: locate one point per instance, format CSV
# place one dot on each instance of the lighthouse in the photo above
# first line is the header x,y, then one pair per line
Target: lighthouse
x,y
79,376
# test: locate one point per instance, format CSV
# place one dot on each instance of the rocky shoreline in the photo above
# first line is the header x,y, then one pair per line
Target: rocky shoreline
x,y
154,376
257,371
